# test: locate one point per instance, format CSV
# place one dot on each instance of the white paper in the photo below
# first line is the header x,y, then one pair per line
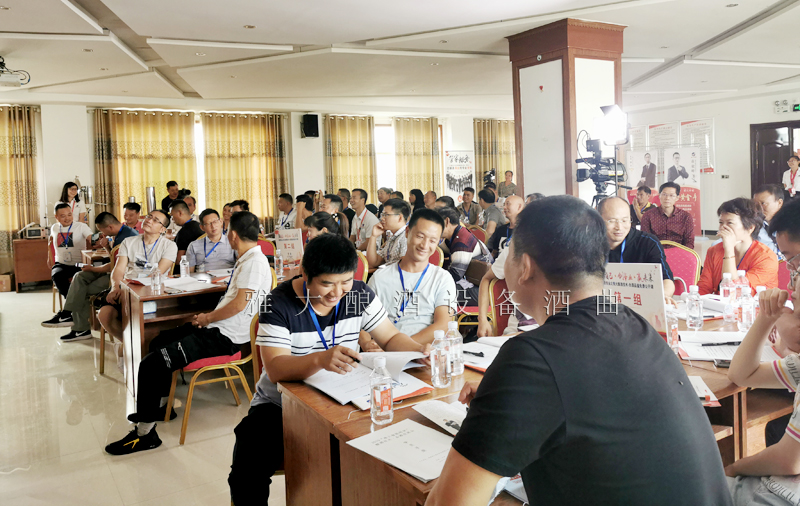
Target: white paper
x,y
516,489
709,353
700,336
396,361
218,273
188,284
409,446
496,341
701,389
450,417
342,387
489,354
406,385
707,312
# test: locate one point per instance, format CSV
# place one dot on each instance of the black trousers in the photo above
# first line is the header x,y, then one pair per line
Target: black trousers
x,y
257,454
172,350
774,430
61,275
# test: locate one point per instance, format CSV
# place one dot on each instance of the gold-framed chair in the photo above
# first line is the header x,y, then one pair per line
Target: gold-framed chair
x,y
95,323
437,258
684,263
362,271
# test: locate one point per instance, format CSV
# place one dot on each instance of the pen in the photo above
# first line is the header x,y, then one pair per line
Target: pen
x,y
732,343
477,354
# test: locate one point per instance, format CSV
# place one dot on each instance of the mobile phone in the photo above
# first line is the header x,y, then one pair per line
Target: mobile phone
x,y
722,363
80,265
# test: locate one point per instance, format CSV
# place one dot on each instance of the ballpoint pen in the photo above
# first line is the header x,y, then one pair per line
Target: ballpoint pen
x,y
475,353
731,343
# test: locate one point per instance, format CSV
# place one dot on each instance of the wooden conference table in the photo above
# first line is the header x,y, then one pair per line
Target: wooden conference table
x,y
322,469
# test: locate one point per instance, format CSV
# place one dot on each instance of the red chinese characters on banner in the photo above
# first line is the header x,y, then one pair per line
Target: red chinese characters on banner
x,y
689,201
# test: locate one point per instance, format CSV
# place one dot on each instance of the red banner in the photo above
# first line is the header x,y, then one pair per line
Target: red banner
x,y
689,201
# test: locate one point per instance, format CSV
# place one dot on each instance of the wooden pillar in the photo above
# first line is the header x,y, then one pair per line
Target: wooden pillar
x,y
563,72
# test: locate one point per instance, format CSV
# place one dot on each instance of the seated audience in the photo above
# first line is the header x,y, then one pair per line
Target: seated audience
x,y
770,198
573,406
226,218
189,231
667,222
419,297
516,318
132,215
311,323
498,201
213,251
491,216
221,332
393,223
304,207
468,209
507,188
172,195
384,194
344,194
641,203
324,223
175,227
630,246
286,217
416,199
444,201
397,195
69,196
740,220
364,221
334,206
464,248
429,200
238,206
499,240
136,258
533,196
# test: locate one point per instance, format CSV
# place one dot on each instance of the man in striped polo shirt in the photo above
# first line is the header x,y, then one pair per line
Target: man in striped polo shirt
x,y
309,323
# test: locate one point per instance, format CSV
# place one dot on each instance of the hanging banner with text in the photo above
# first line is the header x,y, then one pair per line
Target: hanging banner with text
x,y
640,288
459,173
700,133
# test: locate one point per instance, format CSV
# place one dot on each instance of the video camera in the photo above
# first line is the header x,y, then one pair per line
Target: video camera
x,y
183,192
602,171
489,176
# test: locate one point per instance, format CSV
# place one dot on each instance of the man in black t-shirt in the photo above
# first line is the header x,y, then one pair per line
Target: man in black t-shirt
x,y
189,232
172,191
592,407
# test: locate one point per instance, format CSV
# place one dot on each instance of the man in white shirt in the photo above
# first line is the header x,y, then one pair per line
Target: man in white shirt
x,y
213,251
286,217
419,297
393,224
361,227
137,257
219,333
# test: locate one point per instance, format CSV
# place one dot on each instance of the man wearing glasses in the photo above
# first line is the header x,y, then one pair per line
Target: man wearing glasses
x,y
393,221
631,246
212,251
667,222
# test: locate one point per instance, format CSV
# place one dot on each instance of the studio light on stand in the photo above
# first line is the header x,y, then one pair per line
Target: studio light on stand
x,y
612,130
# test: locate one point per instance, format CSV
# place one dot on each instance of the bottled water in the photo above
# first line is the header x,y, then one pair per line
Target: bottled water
x,y
759,289
155,281
381,408
727,292
747,312
672,329
440,360
694,309
278,264
456,342
184,266
742,287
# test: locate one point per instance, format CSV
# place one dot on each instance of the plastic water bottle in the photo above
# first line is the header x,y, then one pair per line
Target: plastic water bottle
x,y
694,309
184,266
456,343
441,372
381,407
278,264
742,287
727,291
155,281
747,312
672,329
759,289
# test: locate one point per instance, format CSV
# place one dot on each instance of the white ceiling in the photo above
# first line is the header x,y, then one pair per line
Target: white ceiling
x,y
362,56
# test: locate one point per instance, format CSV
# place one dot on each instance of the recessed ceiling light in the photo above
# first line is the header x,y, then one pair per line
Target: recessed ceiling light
x,y
103,68
412,91
88,50
233,77
200,54
732,5
664,47
4,8
703,81
442,41
249,27
124,91
434,64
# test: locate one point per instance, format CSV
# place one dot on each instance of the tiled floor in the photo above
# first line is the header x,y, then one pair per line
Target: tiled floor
x,y
57,413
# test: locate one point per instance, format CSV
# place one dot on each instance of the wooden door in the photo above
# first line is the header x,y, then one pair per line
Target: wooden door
x,y
771,145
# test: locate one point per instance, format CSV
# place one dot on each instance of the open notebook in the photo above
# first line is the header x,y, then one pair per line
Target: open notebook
x,y
480,354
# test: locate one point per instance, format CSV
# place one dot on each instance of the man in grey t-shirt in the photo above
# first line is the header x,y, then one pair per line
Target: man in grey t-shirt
x,y
491,217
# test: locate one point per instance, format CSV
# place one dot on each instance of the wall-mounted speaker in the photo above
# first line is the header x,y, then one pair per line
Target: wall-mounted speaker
x,y
310,125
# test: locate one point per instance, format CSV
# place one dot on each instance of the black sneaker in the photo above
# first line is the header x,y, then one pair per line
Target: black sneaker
x,y
76,336
61,319
162,411
133,443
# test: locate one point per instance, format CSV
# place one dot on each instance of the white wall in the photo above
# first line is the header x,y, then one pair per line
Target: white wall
x,y
66,150
732,120
458,133
306,157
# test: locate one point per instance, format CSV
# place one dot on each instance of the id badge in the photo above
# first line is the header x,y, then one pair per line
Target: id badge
x,y
148,268
67,256
201,268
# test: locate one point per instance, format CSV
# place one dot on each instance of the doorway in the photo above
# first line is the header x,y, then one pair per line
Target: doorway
x,y
771,144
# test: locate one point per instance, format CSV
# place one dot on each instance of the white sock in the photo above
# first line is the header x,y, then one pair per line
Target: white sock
x,y
163,402
143,429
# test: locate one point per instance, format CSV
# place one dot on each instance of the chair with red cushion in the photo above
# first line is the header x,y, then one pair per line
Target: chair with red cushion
x,y
478,232
784,275
267,246
474,274
362,271
684,263
498,291
437,258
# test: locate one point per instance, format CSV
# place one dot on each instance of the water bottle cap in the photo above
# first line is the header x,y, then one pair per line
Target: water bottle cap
x,y
694,289
452,325
438,334
741,273
380,362
726,275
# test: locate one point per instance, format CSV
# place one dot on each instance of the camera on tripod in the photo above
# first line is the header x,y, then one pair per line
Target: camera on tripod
x,y
601,170
489,176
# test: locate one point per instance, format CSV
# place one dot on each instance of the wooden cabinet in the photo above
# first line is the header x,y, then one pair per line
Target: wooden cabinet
x,y
30,261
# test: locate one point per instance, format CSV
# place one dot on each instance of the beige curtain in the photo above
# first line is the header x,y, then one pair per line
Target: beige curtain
x,y
417,154
137,149
245,158
494,148
350,154
19,191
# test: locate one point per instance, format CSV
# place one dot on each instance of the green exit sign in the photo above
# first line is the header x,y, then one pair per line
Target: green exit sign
x,y
796,108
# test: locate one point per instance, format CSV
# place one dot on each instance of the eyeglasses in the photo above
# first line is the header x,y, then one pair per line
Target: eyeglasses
x,y
623,221
668,196
152,217
383,214
212,222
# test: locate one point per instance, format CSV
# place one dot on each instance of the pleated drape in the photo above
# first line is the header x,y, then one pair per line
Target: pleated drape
x,y
494,148
417,154
350,154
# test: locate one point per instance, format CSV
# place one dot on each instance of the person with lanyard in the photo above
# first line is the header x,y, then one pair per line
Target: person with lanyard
x,y
364,221
468,209
221,332
226,218
189,231
740,221
136,258
393,223
770,198
419,297
502,234
212,251
630,246
69,196
464,248
286,218
307,324
591,407
791,183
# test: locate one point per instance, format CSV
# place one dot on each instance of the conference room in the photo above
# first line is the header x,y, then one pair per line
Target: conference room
x,y
170,172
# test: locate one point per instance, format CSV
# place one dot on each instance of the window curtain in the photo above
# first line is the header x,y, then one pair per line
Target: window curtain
x,y
494,148
350,154
245,158
137,149
417,154
19,191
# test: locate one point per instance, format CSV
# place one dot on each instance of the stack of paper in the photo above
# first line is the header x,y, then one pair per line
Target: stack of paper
x,y
187,284
447,416
694,351
488,346
409,446
704,393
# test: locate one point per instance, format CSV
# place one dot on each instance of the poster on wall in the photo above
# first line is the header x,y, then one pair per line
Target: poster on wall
x,y
643,168
700,134
637,137
684,169
459,173
663,135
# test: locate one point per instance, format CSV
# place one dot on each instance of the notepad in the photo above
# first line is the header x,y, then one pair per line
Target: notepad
x,y
489,346
409,446
704,393
693,351
706,337
447,416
